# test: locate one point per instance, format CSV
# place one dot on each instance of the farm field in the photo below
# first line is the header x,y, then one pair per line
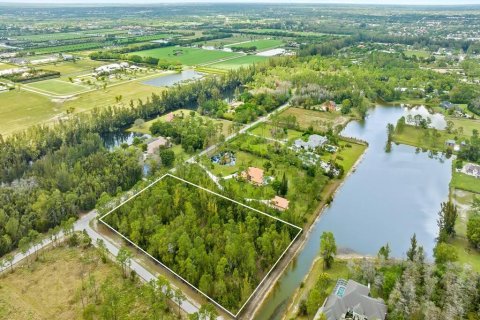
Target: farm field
x,y
261,44
228,41
5,66
33,108
57,87
77,67
70,47
53,36
21,109
190,56
237,62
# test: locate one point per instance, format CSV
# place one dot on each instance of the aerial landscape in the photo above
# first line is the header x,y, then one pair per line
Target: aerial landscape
x,y
240,160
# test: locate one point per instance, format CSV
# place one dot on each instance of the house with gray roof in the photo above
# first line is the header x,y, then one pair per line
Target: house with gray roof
x,y
314,141
352,300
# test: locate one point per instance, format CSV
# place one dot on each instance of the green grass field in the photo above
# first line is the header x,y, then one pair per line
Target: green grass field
x,y
188,56
467,124
5,66
465,182
266,130
22,109
317,119
262,44
423,138
237,62
77,67
57,87
417,53
466,254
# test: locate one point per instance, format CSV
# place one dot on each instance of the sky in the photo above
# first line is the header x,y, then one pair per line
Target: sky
x,y
384,2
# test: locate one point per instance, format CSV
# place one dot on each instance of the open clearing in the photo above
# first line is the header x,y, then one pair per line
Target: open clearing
x,y
237,62
317,119
207,214
57,87
187,56
145,128
48,289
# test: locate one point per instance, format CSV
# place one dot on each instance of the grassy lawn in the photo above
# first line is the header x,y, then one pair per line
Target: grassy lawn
x,y
188,56
423,138
467,124
418,53
339,270
265,130
465,182
317,119
349,155
466,254
262,44
49,288
237,62
57,87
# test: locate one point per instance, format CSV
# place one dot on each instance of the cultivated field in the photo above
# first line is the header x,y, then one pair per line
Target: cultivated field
x,y
237,62
21,109
57,87
77,67
262,44
187,56
5,66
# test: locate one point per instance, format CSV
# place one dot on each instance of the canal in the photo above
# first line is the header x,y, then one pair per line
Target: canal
x,y
388,198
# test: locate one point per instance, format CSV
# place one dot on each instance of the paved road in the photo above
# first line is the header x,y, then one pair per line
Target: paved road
x,y
84,224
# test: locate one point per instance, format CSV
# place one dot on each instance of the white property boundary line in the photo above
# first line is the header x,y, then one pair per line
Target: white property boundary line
x,y
181,278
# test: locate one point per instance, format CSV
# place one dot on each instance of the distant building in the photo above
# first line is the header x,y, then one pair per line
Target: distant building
x,y
472,170
352,300
110,68
280,203
331,106
447,105
314,141
253,175
450,143
154,145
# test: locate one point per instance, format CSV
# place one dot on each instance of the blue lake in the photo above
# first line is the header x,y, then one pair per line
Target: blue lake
x,y
388,198
174,78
